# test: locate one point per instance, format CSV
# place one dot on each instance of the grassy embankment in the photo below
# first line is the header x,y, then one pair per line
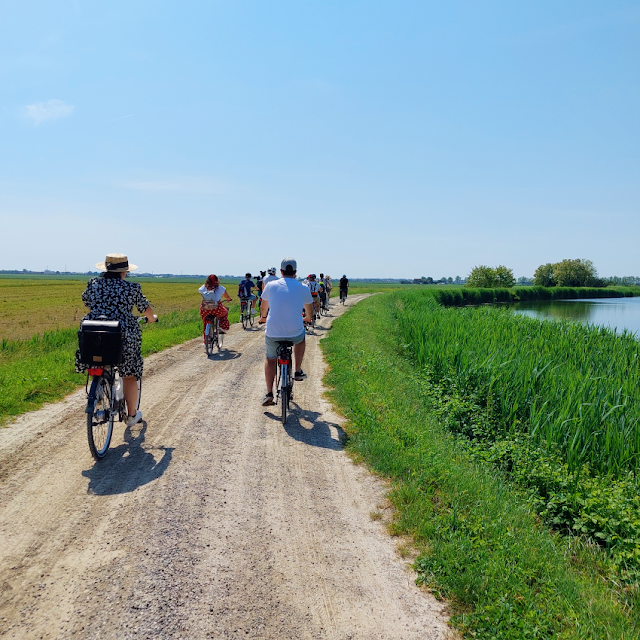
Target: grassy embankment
x,y
444,403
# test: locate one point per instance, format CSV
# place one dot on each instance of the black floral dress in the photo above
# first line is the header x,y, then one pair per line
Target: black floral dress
x,y
115,298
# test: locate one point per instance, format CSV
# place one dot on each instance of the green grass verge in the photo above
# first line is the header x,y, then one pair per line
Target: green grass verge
x,y
482,546
41,369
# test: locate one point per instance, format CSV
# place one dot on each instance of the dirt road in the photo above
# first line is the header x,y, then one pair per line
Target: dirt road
x,y
208,520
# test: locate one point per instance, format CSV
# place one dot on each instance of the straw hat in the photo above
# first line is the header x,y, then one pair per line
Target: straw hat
x,y
116,262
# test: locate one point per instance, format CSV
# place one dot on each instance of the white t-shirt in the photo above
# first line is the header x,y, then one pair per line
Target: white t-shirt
x,y
267,280
212,295
286,298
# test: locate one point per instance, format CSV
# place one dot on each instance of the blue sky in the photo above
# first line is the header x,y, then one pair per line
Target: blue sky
x,y
374,139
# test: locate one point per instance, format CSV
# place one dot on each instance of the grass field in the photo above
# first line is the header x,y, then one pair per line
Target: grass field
x,y
483,547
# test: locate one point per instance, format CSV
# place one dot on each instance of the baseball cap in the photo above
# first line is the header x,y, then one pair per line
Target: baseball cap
x,y
289,264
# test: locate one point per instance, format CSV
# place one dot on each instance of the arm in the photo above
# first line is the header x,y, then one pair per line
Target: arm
x,y
150,314
308,312
226,296
264,310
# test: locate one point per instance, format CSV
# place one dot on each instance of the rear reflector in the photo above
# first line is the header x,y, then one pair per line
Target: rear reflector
x,y
283,361
95,372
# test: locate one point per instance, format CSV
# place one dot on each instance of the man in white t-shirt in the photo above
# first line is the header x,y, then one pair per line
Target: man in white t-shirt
x,y
282,303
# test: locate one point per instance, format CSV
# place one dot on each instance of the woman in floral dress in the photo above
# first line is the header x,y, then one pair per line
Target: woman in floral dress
x,y
114,297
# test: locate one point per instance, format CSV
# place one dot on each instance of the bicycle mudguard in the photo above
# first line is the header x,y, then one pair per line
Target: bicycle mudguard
x,y
91,398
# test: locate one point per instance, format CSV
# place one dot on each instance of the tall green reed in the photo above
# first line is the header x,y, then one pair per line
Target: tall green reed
x,y
572,388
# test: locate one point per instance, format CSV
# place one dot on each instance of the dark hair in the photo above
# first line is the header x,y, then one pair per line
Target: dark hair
x,y
112,274
212,282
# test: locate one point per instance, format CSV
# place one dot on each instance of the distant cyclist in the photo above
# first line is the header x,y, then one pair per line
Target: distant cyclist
x,y
312,283
344,287
328,286
272,276
322,293
212,294
245,291
282,300
260,285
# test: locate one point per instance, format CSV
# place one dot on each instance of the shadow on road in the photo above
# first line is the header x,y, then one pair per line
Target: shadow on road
x,y
128,466
306,426
225,354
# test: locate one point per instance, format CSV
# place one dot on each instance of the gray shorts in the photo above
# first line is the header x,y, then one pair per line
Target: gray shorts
x,y
272,344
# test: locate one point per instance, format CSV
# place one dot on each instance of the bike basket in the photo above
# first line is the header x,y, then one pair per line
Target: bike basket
x,y
207,305
100,342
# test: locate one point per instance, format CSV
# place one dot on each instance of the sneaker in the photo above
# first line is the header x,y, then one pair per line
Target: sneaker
x,y
131,420
268,400
298,376
254,312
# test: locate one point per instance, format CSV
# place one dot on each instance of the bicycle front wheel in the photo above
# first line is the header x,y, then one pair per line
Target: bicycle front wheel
x,y
208,338
245,317
100,420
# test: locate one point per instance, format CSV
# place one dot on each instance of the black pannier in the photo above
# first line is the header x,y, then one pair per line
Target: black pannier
x,y
100,342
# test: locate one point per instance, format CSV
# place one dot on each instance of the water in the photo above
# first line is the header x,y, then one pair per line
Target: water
x,y
616,313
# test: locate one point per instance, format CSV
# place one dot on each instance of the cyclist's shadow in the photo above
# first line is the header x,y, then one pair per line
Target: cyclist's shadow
x,y
127,466
318,435
225,354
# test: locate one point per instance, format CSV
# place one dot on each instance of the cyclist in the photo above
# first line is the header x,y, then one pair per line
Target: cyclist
x,y
270,277
212,293
113,297
245,291
260,285
328,287
344,287
282,300
312,283
322,293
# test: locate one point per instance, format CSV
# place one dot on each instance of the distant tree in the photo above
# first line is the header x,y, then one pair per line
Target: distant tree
x,y
449,280
544,276
429,280
458,280
503,277
568,273
575,273
481,277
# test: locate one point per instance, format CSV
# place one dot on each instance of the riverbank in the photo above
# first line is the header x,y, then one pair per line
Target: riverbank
x,y
483,545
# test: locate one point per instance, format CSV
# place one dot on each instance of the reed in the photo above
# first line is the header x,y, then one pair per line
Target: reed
x,y
571,387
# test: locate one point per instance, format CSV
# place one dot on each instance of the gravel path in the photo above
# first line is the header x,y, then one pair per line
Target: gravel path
x,y
208,520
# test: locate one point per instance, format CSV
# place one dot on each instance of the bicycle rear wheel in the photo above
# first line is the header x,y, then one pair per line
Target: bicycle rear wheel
x,y
243,314
100,419
284,402
208,337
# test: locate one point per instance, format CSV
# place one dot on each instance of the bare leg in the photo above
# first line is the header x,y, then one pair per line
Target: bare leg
x,y
298,352
130,388
270,368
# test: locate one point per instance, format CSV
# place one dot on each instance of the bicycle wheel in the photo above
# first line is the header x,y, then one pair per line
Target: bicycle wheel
x,y
284,393
139,393
243,314
100,419
251,316
208,338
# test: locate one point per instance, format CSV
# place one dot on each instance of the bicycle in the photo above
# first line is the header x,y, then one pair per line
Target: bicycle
x,y
212,334
343,296
284,380
246,316
101,343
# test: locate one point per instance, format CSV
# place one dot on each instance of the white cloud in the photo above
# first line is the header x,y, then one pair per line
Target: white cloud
x,y
49,110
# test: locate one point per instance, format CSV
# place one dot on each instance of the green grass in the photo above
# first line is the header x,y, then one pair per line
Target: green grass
x,y
41,369
482,545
